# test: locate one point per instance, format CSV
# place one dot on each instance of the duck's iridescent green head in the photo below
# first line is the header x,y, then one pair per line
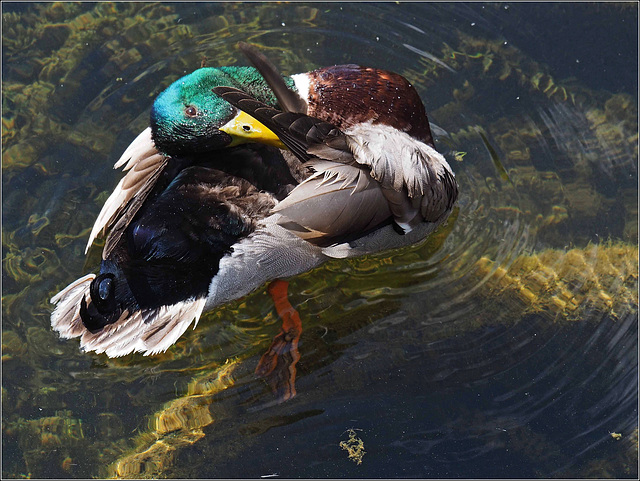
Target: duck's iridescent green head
x,y
186,117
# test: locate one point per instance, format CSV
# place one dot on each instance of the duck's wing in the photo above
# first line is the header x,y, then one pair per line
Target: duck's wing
x,y
143,164
289,100
341,200
415,179
338,203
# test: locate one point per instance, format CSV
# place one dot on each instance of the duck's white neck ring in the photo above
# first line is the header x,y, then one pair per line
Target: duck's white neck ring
x,y
301,81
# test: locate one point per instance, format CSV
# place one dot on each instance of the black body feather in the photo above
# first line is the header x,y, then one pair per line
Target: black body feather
x,y
197,209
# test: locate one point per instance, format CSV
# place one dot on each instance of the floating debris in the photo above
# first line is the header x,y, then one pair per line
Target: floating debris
x,y
495,158
354,446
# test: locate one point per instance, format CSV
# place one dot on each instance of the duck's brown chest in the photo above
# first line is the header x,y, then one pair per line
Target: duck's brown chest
x,y
346,95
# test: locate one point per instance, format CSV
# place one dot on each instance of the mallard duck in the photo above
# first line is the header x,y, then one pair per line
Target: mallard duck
x,y
215,203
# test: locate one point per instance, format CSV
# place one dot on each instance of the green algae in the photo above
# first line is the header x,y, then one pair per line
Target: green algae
x,y
354,446
177,425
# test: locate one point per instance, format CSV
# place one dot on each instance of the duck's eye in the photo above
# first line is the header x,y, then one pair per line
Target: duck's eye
x,y
191,111
246,128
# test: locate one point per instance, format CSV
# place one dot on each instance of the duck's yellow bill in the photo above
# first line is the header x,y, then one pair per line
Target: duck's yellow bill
x,y
243,128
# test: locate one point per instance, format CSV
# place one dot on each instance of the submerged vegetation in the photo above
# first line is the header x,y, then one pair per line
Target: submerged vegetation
x,y
528,238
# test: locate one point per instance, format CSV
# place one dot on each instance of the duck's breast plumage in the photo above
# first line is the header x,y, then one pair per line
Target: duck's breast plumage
x,y
346,95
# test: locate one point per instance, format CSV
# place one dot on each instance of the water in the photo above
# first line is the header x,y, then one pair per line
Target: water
x,y
503,346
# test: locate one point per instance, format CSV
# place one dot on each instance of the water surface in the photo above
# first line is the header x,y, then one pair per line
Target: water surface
x,y
505,345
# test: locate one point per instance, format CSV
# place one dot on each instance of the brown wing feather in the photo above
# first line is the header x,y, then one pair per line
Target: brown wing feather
x,y
143,164
288,99
135,195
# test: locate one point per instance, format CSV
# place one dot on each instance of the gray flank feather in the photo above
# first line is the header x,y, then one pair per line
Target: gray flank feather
x,y
337,202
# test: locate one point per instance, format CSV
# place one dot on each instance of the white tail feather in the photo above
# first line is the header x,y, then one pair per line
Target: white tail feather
x,y
65,318
150,331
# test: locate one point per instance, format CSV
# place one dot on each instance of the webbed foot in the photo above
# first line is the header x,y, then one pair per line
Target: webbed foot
x,y
278,364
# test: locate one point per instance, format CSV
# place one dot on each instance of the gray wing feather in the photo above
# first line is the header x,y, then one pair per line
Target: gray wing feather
x,y
328,152
338,201
404,165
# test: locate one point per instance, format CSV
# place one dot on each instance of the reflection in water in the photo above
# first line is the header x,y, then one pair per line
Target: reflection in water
x,y
178,425
278,364
507,340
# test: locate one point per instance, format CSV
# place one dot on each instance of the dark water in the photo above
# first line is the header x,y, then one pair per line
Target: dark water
x,y
503,346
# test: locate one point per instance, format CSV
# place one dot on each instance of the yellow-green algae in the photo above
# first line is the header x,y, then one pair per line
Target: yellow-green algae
x,y
179,424
565,285
56,70
354,446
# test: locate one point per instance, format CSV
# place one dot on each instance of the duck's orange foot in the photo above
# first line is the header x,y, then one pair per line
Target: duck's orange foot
x,y
278,364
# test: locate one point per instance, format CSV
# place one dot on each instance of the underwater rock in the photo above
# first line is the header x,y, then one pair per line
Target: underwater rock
x,y
52,37
12,346
46,443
